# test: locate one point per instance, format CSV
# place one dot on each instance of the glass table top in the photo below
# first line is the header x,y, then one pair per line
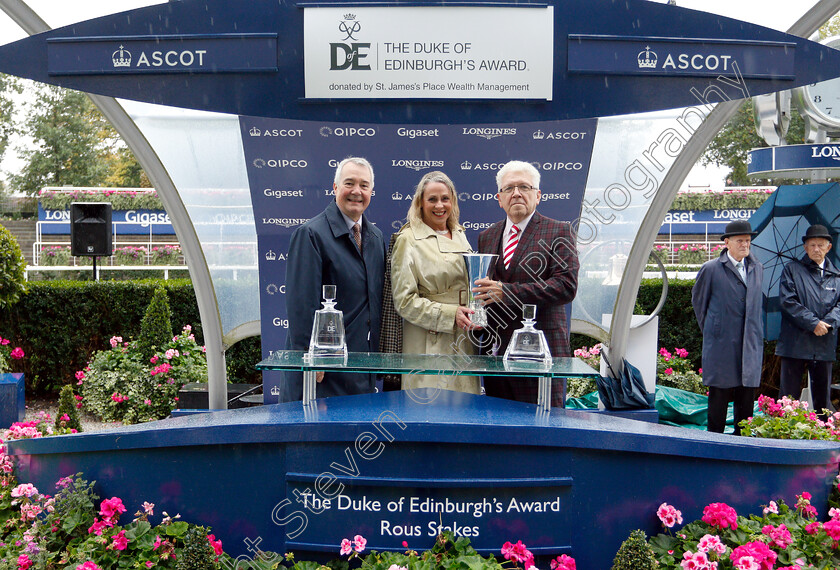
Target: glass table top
x,y
441,364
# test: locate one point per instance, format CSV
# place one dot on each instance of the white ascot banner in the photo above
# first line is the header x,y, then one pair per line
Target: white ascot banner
x,y
429,52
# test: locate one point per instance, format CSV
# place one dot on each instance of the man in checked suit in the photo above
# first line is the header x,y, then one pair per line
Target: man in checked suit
x,y
537,265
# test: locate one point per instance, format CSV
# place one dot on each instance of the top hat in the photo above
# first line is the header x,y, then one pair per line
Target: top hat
x,y
816,231
737,228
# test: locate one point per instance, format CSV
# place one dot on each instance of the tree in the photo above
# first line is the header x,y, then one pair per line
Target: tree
x,y
8,87
75,146
729,148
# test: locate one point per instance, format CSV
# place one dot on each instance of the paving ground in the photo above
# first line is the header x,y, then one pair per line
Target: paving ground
x,y
89,423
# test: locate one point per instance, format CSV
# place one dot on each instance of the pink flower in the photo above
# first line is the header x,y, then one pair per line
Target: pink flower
x,y
518,553
563,562
803,505
668,371
711,543
149,563
111,509
148,508
346,547
64,482
405,544
753,555
147,401
88,566
97,527
780,536
24,562
17,353
771,508
24,490
694,560
157,542
813,528
120,541
64,418
116,341
669,515
681,352
359,542
720,515
171,353
216,544
154,359
397,567
832,529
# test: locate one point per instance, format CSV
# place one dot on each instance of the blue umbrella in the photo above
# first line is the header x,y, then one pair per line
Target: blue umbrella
x,y
781,222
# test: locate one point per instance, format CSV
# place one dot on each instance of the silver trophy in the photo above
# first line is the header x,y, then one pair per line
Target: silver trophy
x,y
478,266
528,343
328,328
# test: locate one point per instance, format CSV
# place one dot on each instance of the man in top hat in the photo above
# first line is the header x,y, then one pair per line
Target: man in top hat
x,y
809,293
728,304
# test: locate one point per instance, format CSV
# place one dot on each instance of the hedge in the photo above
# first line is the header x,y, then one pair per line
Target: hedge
x,y
59,324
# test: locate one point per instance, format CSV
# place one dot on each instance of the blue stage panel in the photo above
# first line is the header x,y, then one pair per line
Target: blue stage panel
x,y
563,482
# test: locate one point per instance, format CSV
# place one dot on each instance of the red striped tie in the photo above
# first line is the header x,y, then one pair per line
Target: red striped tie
x,y
510,247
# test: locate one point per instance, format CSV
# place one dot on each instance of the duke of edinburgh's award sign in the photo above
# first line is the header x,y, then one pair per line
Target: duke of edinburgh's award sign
x,y
428,52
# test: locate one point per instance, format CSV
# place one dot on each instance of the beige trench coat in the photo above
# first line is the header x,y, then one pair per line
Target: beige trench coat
x,y
429,281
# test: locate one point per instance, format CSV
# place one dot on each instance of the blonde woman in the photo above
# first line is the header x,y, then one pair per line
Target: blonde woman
x,y
429,281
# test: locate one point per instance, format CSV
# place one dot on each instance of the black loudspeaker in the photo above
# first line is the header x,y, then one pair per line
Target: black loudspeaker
x,y
90,229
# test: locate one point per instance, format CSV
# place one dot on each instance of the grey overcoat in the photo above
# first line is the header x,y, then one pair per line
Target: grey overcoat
x,y
730,315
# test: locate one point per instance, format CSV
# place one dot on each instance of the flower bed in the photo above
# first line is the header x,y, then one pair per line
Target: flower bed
x,y
166,255
120,199
55,255
130,255
728,199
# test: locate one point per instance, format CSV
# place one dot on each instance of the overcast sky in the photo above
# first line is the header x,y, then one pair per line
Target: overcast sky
x,y
775,14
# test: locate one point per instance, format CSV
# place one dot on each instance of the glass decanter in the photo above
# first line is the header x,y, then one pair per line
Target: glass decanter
x,y
528,344
328,328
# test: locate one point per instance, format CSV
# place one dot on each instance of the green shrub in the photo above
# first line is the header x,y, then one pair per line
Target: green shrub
x,y
67,407
156,327
719,200
635,554
122,384
12,265
197,554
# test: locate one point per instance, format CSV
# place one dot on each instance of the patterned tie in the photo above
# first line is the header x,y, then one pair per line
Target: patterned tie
x,y
510,246
357,235
742,271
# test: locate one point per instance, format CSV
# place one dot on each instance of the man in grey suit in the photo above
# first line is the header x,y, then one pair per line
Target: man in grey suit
x,y
728,304
337,247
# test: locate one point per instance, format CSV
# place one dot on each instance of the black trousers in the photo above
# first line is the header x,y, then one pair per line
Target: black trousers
x,y
719,398
791,380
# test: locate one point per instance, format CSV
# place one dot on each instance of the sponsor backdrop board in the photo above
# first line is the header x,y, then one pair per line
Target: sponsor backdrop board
x,y
800,159
125,222
291,166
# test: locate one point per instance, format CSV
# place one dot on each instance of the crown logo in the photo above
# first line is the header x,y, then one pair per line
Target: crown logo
x,y
538,135
275,391
466,165
649,60
349,16
255,132
270,255
121,58
396,196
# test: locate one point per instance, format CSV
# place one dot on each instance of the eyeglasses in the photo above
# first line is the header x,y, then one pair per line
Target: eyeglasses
x,y
522,188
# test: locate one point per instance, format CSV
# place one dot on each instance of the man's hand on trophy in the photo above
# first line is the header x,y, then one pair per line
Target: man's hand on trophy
x,y
488,291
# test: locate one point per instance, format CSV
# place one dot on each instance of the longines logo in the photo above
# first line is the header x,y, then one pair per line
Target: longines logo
x,y
347,132
284,163
417,164
559,135
831,151
487,132
255,132
349,55
284,222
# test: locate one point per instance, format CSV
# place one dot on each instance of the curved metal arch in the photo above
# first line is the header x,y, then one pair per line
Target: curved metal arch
x,y
820,13
205,293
